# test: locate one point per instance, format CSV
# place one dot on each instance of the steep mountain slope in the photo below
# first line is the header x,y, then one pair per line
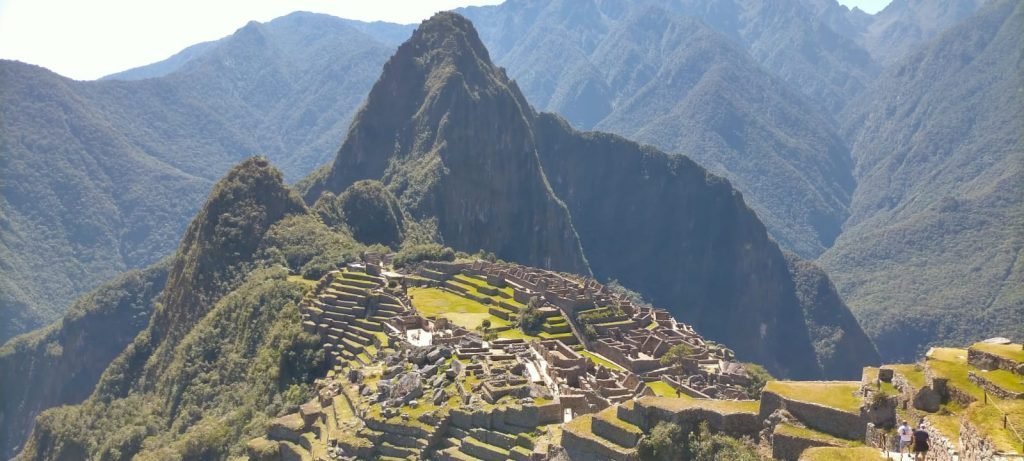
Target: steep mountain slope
x,y
932,249
79,202
449,135
650,74
60,364
222,349
447,131
102,176
904,25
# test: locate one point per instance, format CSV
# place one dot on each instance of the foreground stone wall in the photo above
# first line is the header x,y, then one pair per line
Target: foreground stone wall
x,y
820,418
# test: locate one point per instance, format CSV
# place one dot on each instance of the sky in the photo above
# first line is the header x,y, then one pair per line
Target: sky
x,y
87,39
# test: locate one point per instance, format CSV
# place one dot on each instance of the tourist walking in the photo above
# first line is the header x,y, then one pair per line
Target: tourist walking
x,y
920,444
906,435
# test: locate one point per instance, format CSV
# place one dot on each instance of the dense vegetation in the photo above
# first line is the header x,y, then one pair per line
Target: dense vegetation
x,y
100,177
932,250
370,211
669,442
223,352
61,363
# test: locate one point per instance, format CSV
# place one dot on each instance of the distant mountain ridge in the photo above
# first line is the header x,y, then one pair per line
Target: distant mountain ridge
x,y
102,176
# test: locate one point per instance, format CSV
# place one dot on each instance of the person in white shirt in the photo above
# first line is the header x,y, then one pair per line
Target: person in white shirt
x,y
906,436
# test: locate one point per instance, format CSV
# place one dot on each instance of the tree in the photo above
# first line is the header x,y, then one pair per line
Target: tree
x,y
678,355
705,446
664,443
486,324
758,378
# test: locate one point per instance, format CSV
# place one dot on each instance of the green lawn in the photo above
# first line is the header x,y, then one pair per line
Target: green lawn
x,y
663,389
989,421
466,313
950,363
600,361
841,395
811,434
1011,351
912,372
674,404
1004,379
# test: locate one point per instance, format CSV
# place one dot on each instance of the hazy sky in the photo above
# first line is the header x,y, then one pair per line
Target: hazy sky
x,y
87,39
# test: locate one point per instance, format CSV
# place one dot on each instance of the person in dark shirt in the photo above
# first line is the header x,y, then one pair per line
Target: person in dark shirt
x,y
920,443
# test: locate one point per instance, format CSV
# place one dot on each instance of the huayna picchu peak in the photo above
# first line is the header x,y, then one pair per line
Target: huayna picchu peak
x,y
455,140
401,257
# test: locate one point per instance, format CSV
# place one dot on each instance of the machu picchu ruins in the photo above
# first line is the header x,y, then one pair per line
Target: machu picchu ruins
x,y
433,361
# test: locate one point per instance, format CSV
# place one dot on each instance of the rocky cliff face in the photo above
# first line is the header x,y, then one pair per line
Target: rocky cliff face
x,y
456,141
60,364
450,135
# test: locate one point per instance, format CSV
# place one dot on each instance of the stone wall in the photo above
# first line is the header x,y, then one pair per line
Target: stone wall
x,y
985,361
733,424
992,388
789,448
820,418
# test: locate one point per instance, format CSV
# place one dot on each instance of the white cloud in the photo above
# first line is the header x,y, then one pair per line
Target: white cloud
x,y
90,39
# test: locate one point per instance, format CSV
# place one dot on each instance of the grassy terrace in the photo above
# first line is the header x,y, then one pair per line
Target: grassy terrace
x,y
871,375
810,434
839,454
663,389
467,313
952,364
841,395
989,421
722,406
601,361
1004,379
913,373
1010,351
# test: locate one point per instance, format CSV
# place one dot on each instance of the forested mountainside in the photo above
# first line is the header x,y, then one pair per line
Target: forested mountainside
x,y
932,250
61,363
904,25
788,37
102,176
221,352
428,132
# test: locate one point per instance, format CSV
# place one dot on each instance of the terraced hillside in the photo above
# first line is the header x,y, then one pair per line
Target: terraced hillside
x,y
436,361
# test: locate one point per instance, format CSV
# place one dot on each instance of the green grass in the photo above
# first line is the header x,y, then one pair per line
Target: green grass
x,y
466,313
1004,379
840,454
989,421
663,389
912,373
950,363
600,361
723,406
1010,351
841,395
810,434
947,425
